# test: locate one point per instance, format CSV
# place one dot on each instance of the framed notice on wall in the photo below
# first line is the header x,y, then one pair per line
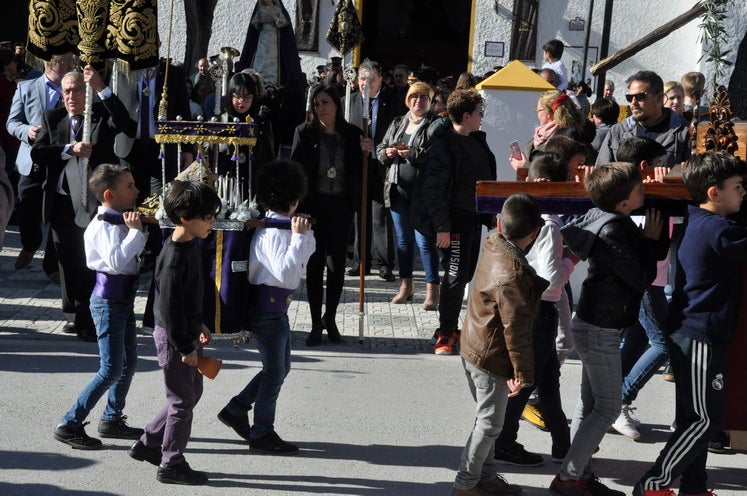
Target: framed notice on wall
x,y
494,49
573,57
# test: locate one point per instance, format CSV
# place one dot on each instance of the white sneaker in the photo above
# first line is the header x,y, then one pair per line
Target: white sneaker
x,y
631,409
625,424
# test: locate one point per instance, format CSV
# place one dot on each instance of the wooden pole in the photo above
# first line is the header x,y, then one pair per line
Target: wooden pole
x,y
651,38
362,241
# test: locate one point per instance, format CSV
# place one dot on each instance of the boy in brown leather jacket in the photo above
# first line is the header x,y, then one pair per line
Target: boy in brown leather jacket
x,y
496,341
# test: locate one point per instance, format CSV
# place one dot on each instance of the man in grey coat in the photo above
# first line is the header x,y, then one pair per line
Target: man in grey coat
x,y
648,119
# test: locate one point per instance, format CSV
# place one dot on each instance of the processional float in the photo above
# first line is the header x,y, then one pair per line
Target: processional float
x,y
123,36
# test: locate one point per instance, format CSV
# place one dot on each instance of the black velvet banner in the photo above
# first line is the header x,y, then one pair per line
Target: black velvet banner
x,y
307,22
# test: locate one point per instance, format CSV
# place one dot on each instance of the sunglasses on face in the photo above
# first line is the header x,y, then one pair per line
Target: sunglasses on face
x,y
638,96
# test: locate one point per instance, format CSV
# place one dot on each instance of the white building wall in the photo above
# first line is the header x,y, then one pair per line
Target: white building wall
x,y
671,57
229,29
631,19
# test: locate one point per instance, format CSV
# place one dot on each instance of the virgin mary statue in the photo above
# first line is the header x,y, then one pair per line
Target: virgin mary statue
x,y
270,46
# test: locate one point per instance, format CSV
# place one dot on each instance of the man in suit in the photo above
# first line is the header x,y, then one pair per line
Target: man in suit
x,y
61,152
31,99
203,83
384,106
138,148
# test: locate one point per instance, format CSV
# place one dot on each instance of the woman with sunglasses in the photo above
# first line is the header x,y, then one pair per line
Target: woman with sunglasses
x,y
402,153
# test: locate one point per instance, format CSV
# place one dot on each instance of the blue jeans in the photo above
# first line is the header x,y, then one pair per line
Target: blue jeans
x,y
407,237
599,402
117,338
639,360
490,393
272,331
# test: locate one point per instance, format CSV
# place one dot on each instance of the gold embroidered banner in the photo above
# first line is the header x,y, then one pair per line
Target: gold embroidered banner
x,y
95,30
53,28
133,32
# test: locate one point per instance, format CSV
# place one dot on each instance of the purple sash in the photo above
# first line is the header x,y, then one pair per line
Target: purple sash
x,y
271,299
115,286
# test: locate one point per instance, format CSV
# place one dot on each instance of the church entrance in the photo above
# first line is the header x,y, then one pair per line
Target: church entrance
x,y
415,32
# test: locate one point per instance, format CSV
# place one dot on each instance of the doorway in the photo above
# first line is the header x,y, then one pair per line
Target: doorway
x,y
415,32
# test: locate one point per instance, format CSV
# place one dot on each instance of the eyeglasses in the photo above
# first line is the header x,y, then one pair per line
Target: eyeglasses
x,y
638,96
59,61
420,97
241,98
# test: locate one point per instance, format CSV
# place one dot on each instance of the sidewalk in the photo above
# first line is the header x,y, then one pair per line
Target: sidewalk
x,y
385,417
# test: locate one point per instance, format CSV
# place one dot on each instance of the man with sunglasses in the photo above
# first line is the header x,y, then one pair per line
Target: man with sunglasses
x,y
648,118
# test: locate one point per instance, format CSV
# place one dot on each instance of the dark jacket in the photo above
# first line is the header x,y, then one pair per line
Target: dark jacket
x,y
622,265
673,138
306,151
709,276
109,117
432,198
497,331
416,153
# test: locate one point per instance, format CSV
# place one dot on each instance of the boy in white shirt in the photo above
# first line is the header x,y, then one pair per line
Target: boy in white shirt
x,y
112,248
549,260
277,259
553,50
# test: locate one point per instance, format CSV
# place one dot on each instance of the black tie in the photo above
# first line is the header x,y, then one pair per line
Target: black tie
x,y
77,127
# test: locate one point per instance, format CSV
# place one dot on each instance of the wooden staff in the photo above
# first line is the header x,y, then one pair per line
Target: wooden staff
x,y
248,224
362,218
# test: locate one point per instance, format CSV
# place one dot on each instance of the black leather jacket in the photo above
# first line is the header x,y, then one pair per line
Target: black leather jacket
x,y
622,265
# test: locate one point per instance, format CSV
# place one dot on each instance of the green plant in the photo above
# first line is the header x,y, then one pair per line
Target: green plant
x,y
713,33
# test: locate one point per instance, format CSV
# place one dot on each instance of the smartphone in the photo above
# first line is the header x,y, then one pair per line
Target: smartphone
x,y
515,150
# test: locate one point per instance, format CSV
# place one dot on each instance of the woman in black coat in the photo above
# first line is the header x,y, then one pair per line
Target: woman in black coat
x,y
329,149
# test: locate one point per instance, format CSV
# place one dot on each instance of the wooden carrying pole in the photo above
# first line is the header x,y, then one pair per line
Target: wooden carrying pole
x,y
651,38
362,220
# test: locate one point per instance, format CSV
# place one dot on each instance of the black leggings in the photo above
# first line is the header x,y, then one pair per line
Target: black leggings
x,y
334,218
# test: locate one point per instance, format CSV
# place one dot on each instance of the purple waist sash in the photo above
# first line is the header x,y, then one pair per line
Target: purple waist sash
x,y
271,299
115,286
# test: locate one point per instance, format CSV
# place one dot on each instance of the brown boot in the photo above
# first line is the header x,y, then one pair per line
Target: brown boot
x,y
431,297
405,291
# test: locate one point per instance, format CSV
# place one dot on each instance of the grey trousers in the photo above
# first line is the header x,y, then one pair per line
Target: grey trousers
x,y
171,426
490,393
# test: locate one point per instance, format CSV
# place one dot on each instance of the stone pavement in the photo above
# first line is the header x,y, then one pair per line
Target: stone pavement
x,y
385,417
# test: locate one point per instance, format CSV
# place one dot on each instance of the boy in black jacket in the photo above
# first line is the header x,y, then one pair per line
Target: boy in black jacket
x,y
701,321
180,332
622,264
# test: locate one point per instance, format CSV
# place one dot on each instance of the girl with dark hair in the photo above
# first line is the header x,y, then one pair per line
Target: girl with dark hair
x,y
329,148
243,102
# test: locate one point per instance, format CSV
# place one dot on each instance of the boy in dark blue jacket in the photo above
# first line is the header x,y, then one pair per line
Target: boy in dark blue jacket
x,y
702,318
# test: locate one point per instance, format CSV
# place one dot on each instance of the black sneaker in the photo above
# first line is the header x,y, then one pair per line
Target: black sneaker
x,y
599,489
119,429
181,474
719,443
570,487
272,444
142,453
239,423
558,453
76,437
515,454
